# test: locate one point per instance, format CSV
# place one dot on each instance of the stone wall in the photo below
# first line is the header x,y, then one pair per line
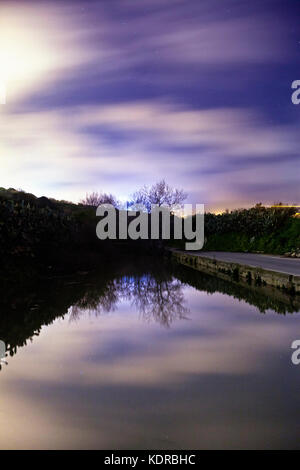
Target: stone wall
x,y
235,271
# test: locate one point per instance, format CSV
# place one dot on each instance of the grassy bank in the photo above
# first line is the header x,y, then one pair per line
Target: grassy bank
x,y
273,230
282,241
259,229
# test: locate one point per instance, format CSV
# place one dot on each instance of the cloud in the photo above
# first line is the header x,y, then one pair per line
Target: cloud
x,y
43,147
201,33
236,132
214,42
57,136
49,44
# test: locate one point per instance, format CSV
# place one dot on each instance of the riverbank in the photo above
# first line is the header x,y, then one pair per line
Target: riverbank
x,y
255,272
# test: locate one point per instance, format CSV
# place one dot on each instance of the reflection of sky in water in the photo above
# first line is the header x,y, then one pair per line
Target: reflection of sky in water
x,y
219,377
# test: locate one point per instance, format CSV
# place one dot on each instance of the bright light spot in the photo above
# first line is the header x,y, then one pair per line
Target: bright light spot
x,y
23,58
39,46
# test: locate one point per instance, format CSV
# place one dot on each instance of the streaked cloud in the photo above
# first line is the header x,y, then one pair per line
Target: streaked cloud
x,y
45,147
112,95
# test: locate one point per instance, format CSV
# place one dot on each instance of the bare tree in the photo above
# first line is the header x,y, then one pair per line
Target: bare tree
x,y
160,194
95,199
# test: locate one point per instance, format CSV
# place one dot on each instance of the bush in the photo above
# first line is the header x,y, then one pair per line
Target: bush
x,y
28,230
269,230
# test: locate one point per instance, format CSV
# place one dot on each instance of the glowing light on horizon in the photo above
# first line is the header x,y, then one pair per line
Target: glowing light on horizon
x,y
289,206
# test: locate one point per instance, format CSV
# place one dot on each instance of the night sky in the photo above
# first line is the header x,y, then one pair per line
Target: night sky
x,y
113,94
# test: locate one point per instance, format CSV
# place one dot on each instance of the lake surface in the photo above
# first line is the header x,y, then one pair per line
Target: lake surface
x,y
148,357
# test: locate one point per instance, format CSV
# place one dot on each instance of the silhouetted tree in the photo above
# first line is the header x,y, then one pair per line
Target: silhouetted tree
x,y
160,194
95,199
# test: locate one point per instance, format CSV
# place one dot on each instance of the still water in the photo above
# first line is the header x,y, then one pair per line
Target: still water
x,y
148,357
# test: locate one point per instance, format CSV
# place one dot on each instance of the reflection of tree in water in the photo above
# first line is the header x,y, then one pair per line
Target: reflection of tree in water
x,y
154,289
26,307
155,297
96,301
158,299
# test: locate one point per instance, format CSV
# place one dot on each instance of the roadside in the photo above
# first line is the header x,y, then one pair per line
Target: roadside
x,y
253,269
269,262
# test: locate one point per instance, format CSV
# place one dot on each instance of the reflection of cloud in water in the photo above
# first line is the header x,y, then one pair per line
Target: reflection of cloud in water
x,y
223,378
220,379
